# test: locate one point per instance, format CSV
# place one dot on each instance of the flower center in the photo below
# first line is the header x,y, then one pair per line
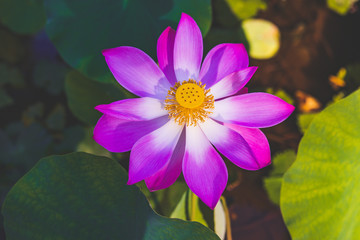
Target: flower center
x,y
188,102
190,95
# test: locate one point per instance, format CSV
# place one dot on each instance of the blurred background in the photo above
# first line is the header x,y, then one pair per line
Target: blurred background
x,y
52,75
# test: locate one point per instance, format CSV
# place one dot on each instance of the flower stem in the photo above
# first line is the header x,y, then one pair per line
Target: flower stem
x,y
227,219
192,206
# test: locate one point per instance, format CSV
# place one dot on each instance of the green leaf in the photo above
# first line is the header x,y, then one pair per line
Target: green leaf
x,y
337,97
272,183
220,35
88,145
273,187
81,31
81,196
181,210
340,6
200,10
282,162
164,201
263,37
184,208
20,149
83,95
320,196
304,120
22,16
195,210
168,198
244,9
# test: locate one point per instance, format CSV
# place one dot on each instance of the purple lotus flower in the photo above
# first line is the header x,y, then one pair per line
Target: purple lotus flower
x,y
185,110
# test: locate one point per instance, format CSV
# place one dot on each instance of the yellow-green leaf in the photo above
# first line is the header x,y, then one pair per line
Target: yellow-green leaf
x,y
320,197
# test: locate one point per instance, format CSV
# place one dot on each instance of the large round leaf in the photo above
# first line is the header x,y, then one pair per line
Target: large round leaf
x,y
80,30
320,197
82,196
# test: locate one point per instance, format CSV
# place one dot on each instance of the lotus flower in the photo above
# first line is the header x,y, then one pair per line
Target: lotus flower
x,y
186,109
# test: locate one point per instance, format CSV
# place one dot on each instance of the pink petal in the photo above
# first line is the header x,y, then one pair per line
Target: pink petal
x,y
119,135
257,142
153,151
171,171
257,110
137,72
136,109
188,49
231,144
222,60
165,53
204,170
232,83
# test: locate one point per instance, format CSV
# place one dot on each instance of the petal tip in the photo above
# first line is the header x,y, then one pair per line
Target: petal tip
x,y
212,207
212,204
105,51
254,68
130,181
252,71
165,32
186,17
291,108
266,164
286,108
168,29
116,50
260,166
99,107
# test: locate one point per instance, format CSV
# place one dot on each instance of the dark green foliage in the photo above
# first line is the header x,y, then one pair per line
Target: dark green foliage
x,y
82,196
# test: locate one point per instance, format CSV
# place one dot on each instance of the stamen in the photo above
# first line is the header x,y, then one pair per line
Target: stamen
x,y
188,102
